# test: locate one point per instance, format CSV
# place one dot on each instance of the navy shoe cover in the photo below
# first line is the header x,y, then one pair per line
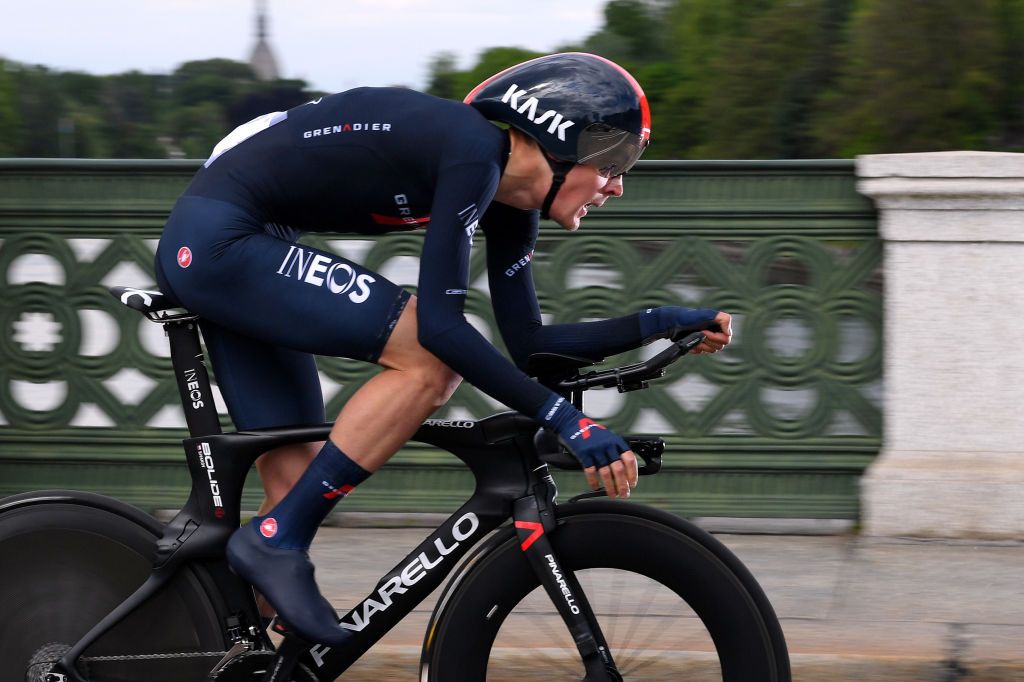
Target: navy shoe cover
x,y
285,578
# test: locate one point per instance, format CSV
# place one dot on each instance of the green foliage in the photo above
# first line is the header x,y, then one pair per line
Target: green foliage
x,y
1009,18
133,115
9,120
490,62
443,75
917,76
639,24
812,78
38,106
724,79
767,79
191,129
213,80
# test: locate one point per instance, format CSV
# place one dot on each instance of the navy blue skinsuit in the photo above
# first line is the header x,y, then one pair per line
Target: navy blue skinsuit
x,y
366,161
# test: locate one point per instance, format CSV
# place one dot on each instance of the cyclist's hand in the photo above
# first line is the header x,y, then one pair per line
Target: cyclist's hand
x,y
674,322
618,478
603,453
715,341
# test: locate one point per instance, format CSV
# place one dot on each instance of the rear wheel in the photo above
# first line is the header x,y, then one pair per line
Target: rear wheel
x,y
68,560
672,602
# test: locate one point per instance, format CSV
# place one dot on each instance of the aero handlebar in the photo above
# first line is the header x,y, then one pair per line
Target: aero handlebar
x,y
635,376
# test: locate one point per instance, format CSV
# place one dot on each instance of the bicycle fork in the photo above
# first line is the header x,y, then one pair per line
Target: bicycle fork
x,y
534,519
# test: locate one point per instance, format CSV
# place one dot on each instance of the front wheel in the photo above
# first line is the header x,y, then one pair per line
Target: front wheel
x,y
673,604
66,560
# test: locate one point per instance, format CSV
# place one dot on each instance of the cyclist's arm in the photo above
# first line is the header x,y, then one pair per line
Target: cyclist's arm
x,y
511,238
444,284
444,331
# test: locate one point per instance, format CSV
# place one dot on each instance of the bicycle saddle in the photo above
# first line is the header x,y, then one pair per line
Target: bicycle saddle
x,y
143,300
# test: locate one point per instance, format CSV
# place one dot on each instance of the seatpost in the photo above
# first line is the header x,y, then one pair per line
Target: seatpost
x,y
193,379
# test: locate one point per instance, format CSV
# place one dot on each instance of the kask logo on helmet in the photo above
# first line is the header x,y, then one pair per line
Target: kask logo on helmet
x,y
558,124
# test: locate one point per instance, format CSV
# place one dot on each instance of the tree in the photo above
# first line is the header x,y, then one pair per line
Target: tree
x,y
197,128
39,107
443,76
260,98
9,120
766,80
131,105
697,31
640,26
211,80
917,76
491,61
1010,53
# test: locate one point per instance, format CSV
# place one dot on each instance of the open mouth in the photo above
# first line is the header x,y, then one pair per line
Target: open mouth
x,y
586,209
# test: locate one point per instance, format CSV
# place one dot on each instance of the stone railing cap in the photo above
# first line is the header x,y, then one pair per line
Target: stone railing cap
x,y
958,164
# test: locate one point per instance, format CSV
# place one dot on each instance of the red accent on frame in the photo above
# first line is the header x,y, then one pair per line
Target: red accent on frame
x,y
536,530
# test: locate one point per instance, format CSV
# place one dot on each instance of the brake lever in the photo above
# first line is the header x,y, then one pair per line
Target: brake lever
x,y
648,450
690,341
686,333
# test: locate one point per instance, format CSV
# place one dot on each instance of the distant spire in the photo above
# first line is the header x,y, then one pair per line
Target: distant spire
x,y
263,63
261,19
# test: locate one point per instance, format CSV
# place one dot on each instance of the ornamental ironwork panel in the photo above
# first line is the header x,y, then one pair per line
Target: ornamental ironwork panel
x,y
781,424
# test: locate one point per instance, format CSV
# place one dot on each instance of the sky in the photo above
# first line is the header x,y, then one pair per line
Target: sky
x,y
333,45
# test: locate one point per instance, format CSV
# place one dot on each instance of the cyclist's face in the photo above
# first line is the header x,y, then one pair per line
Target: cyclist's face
x,y
584,187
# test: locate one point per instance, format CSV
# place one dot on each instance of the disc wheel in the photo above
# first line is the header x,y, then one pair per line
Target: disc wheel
x,y
64,565
672,602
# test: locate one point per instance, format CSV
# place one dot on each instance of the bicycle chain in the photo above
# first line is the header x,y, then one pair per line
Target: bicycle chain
x,y
153,657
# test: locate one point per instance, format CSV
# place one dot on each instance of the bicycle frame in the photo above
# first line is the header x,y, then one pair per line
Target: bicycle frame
x,y
511,483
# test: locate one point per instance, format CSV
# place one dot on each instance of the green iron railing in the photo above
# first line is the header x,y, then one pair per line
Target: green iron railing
x,y
782,424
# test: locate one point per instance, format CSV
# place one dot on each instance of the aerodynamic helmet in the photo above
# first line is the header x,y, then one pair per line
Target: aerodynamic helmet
x,y
580,108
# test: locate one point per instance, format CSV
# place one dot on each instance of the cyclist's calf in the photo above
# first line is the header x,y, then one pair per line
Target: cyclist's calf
x,y
281,467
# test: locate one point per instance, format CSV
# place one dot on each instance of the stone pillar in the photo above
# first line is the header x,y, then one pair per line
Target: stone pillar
x,y
952,460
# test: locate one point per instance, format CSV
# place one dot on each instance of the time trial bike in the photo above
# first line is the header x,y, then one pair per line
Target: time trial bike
x,y
95,590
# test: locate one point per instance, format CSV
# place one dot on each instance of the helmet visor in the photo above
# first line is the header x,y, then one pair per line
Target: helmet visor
x,y
610,150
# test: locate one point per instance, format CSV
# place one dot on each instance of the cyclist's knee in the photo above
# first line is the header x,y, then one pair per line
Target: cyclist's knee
x,y
403,352
437,379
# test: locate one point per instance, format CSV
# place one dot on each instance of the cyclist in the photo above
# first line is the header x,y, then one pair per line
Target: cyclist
x,y
376,160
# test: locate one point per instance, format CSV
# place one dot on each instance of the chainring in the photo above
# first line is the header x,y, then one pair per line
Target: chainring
x,y
252,666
